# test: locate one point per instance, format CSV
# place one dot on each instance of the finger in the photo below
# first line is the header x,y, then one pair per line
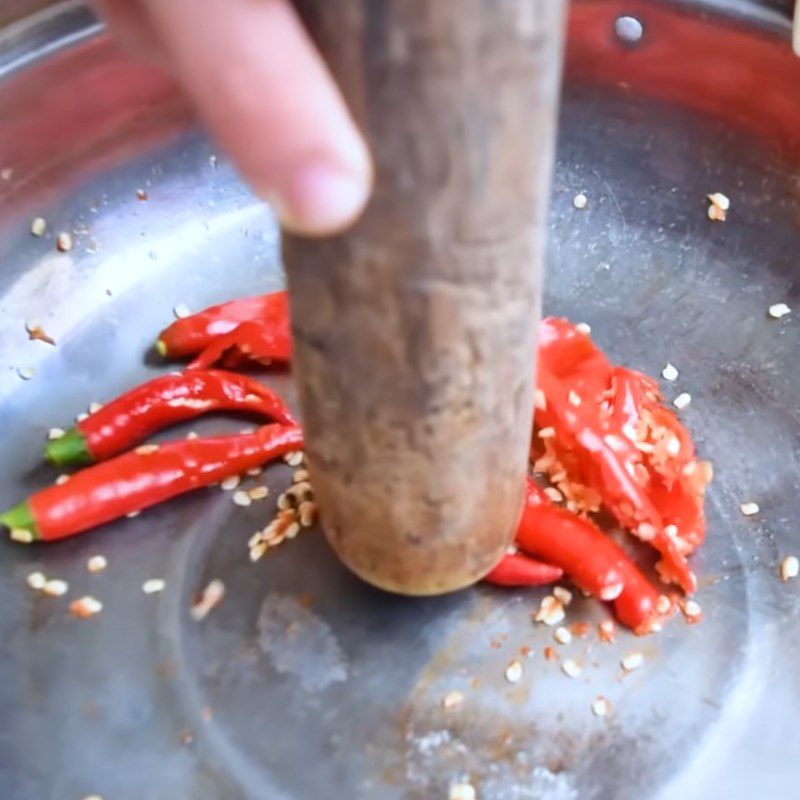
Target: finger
x,y
268,99
128,23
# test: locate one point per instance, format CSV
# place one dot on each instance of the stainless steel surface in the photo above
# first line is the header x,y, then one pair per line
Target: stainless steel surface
x,y
142,702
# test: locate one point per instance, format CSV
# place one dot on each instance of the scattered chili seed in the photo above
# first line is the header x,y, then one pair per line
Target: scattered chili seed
x,y
254,472
36,581
153,585
749,509
210,598
670,372
632,661
553,494
514,672
61,479
258,550
258,493
790,568
55,433
300,476
230,483
26,373
562,635
550,612
579,201
571,668
294,459
181,311
583,327
308,512
720,200
574,398
94,407
692,610
38,226
462,791
564,596
452,700
547,433
64,242
133,514
85,607
611,592
55,587
664,604
81,417
146,449
682,400
540,400
96,564
607,631
241,498
192,435
779,310
601,707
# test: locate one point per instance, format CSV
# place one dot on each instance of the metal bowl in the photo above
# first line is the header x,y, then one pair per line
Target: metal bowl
x,y
305,683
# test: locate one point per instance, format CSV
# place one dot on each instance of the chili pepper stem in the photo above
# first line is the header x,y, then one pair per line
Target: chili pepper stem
x,y
20,517
161,348
71,448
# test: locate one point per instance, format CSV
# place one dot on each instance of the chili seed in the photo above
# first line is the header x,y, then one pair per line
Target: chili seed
x,y
514,672
601,707
461,791
64,242
210,598
583,327
38,226
241,498
664,604
607,630
550,612
692,609
257,551
554,494
294,458
540,400
547,433
562,635
308,511
21,535
181,311
85,607
749,509
191,435
632,661
153,586
720,201
258,493
790,568
61,479
230,483
36,581
574,398
81,417
670,372
94,407
611,592
133,514
26,373
579,201
55,433
55,588
571,668
682,400
96,564
564,596
254,472
292,530
300,476
779,310
146,449
452,700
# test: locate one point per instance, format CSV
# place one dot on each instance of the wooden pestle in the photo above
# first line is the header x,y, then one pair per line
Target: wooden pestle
x,y
415,331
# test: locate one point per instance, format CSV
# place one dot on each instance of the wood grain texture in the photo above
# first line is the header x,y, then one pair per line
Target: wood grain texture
x,y
415,331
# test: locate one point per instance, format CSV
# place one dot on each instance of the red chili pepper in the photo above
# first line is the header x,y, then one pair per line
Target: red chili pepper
x,y
156,404
192,334
517,569
612,441
144,477
264,342
588,557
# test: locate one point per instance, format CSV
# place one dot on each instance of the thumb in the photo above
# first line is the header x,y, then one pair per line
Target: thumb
x,y
269,101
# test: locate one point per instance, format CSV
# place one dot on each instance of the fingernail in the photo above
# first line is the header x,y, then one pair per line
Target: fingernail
x,y
321,199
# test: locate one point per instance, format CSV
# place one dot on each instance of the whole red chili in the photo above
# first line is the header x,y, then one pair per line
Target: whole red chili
x,y
262,342
517,569
192,334
132,417
141,478
611,439
588,557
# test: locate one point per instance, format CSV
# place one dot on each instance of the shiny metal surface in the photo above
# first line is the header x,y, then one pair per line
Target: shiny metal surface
x,y
142,702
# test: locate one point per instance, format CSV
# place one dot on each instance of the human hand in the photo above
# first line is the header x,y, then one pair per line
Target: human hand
x,y
266,96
